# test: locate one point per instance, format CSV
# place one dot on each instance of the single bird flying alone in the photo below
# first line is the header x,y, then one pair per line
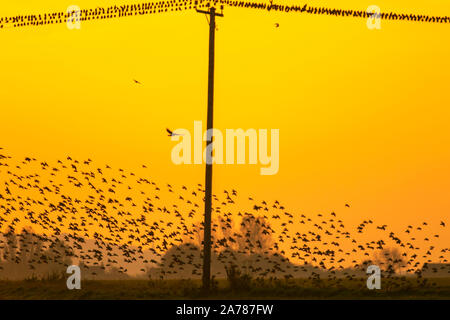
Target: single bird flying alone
x,y
171,133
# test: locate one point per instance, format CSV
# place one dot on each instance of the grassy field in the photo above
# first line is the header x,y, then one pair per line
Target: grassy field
x,y
190,289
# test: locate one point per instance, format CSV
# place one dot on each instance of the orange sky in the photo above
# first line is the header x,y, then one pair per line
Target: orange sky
x,y
363,114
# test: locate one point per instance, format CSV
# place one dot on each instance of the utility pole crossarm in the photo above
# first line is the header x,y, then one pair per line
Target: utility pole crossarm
x,y
208,12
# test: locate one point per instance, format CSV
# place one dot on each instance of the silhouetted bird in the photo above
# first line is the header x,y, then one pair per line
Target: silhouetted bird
x,y
171,133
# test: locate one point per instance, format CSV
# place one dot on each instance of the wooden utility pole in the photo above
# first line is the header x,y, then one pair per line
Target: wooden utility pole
x,y
209,144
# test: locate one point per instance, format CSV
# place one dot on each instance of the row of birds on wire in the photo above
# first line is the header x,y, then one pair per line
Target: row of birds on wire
x,y
100,13
107,218
146,8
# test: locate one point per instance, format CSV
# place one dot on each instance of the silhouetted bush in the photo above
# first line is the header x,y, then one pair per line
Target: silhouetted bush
x,y
237,280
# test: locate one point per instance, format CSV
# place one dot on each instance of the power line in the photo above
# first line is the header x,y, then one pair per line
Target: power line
x,y
100,13
335,12
146,8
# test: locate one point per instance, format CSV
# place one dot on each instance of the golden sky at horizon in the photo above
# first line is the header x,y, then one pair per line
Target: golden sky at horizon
x,y
363,114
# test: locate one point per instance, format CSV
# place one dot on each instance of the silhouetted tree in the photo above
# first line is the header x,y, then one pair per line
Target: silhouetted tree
x,y
256,234
389,260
